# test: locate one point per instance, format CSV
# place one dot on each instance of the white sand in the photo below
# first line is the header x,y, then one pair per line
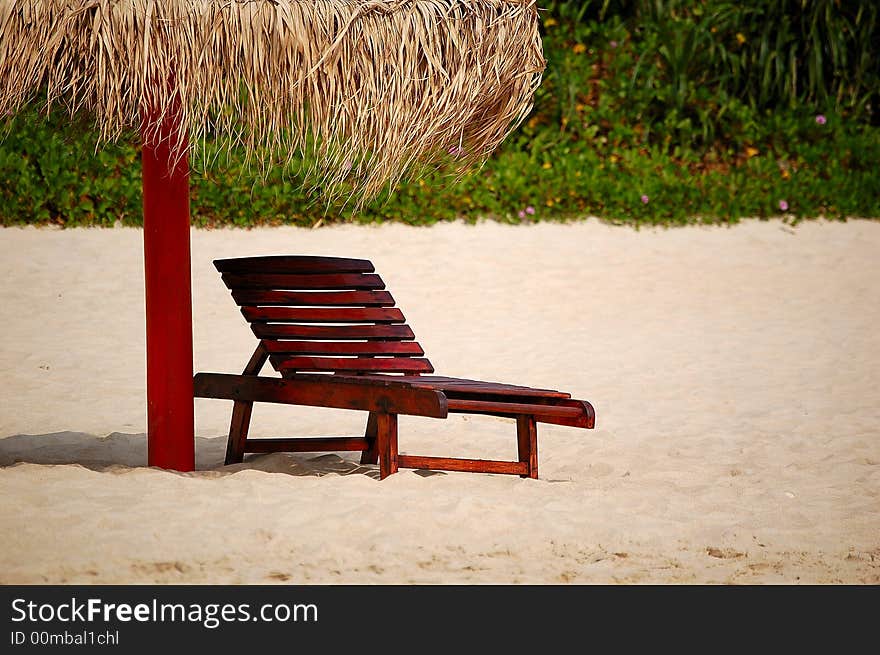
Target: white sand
x,y
734,372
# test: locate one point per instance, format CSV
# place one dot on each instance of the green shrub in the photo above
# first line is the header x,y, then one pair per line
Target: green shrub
x,y
50,172
708,111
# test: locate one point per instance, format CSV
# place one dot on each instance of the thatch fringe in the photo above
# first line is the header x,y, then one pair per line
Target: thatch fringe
x,y
366,88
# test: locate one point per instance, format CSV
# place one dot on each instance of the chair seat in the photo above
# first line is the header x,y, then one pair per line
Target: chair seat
x,y
455,386
466,396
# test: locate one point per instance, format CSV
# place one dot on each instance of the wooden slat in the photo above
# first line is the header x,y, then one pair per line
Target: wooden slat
x,y
267,281
582,416
502,407
457,464
324,391
351,364
323,315
306,298
476,388
293,264
399,348
286,331
305,445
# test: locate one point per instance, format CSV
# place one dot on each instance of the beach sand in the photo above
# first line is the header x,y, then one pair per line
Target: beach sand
x,y
735,374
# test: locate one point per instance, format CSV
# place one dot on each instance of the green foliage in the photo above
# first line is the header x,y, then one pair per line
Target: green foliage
x,y
651,112
822,54
50,172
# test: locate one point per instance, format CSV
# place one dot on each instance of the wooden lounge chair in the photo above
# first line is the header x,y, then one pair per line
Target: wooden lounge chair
x,y
330,329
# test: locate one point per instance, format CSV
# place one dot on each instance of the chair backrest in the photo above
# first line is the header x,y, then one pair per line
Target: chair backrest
x,y
323,314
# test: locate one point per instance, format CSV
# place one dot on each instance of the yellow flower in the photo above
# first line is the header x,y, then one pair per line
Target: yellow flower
x,y
579,49
785,174
740,38
546,165
579,107
751,151
614,159
550,22
549,202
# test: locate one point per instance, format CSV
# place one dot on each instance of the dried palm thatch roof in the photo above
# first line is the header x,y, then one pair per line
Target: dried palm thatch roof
x,y
366,88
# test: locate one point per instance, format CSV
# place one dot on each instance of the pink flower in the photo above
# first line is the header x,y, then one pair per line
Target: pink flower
x,y
521,214
644,199
613,44
456,151
783,205
821,120
530,210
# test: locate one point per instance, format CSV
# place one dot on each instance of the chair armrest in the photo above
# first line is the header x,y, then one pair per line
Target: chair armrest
x,y
342,393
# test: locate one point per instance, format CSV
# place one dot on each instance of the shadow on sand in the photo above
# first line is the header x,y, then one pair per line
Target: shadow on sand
x,y
121,450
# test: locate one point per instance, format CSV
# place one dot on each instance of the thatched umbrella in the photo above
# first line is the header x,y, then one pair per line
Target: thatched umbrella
x,y
363,90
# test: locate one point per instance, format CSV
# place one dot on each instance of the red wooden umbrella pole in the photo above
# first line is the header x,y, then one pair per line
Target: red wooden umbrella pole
x,y
170,432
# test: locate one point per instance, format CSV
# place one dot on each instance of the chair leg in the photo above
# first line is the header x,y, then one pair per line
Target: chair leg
x,y
371,454
241,410
238,430
527,444
386,438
